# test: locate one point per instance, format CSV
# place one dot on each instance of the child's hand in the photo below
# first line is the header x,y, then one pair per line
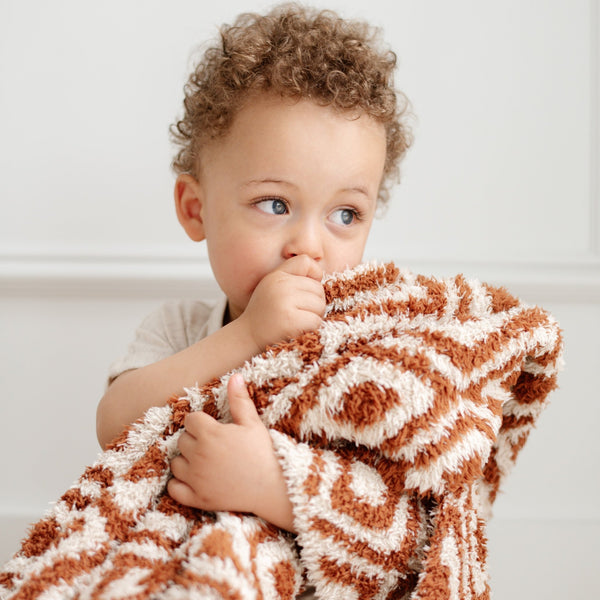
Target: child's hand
x,y
230,466
287,302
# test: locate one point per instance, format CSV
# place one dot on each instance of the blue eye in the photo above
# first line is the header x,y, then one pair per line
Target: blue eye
x,y
272,206
344,216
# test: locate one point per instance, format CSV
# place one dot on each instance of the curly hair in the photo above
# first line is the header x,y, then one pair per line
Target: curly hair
x,y
296,52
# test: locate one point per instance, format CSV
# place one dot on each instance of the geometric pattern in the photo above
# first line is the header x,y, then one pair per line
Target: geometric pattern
x,y
395,424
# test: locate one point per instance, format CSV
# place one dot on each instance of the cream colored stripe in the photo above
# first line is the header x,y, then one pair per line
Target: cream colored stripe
x,y
444,425
430,478
76,544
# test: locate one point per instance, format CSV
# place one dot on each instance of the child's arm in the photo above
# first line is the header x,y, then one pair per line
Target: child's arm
x,y
286,302
133,392
231,466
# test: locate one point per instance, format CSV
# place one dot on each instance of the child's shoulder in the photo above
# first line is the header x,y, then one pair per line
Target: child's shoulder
x,y
186,317
170,328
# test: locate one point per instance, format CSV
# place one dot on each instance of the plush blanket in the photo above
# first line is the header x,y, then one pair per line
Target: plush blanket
x,y
395,424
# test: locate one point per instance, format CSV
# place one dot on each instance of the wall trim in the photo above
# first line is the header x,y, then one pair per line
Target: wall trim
x,y
105,273
595,127
175,274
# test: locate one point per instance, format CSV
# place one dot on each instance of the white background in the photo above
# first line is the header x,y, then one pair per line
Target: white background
x,y
501,183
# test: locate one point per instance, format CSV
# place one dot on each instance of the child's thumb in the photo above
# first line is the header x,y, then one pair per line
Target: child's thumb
x,y
241,406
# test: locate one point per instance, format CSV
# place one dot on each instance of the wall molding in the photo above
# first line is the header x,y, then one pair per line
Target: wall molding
x,y
105,273
595,127
176,273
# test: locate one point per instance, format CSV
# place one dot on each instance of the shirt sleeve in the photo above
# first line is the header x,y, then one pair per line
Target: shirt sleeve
x,y
171,328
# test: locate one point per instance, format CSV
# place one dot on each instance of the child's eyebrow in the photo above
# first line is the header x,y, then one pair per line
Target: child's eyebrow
x,y
360,189
253,182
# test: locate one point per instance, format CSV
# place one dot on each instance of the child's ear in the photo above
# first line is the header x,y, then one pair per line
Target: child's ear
x,y
188,205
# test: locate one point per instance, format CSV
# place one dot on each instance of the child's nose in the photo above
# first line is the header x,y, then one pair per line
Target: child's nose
x,y
304,239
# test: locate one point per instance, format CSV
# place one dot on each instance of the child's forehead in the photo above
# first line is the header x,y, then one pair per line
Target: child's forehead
x,y
290,140
282,132
274,106
269,114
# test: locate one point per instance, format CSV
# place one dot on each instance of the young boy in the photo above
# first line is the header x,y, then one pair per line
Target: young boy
x,y
292,132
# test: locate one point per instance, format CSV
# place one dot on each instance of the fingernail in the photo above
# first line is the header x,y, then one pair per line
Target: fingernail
x,y
237,380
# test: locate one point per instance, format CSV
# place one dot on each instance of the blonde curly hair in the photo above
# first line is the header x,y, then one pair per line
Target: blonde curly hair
x,y
297,52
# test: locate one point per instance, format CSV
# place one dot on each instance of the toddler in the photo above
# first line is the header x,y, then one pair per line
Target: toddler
x,y
291,135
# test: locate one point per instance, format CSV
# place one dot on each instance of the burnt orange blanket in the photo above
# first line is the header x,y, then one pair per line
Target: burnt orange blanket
x,y
395,424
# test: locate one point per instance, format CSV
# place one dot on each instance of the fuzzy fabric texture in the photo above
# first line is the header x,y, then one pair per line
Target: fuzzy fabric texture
x,y
395,424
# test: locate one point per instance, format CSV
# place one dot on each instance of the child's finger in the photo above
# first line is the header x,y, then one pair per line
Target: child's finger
x,y
197,421
304,266
179,467
243,411
186,444
310,290
311,303
182,492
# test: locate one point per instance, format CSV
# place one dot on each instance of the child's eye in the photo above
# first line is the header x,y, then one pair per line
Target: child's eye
x,y
344,216
272,206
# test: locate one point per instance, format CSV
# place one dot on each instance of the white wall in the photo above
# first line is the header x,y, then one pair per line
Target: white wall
x,y
502,183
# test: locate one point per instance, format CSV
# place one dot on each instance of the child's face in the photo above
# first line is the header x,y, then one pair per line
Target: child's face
x,y
289,178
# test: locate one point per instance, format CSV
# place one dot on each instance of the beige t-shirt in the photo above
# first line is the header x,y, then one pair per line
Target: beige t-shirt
x,y
175,326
